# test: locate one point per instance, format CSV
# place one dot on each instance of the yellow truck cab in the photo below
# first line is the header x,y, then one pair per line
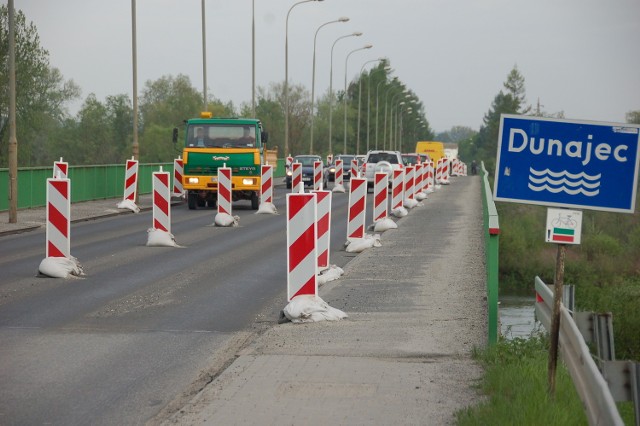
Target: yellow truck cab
x,y
209,143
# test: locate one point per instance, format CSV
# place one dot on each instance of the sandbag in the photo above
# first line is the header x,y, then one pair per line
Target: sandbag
x,y
384,225
400,212
225,219
358,245
60,267
160,238
129,204
267,208
331,274
338,188
309,308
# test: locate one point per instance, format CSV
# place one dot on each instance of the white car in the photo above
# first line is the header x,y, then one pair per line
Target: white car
x,y
381,161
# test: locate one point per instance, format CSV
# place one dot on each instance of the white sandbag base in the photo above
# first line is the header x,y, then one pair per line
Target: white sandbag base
x,y
338,188
160,238
358,245
331,274
225,219
60,267
308,308
400,212
267,208
410,203
421,196
128,204
384,225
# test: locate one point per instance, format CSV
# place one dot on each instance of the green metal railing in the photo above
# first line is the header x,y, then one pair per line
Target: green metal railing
x,y
87,182
491,228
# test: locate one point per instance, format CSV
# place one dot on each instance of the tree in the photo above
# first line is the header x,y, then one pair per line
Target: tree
x,y
633,117
41,92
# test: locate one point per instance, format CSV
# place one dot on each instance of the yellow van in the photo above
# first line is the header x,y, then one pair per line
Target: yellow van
x,y
434,149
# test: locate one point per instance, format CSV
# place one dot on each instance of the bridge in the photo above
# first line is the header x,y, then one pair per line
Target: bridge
x,y
190,335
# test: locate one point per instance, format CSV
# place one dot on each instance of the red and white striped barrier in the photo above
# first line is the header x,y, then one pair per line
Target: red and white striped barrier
x,y
329,158
131,180
355,171
161,201
288,161
60,169
266,189
178,172
408,182
302,257
317,175
339,173
445,171
439,172
224,190
296,177
58,227
417,180
357,208
380,196
397,189
324,227
425,177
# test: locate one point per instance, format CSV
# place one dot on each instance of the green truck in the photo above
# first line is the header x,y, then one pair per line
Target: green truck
x,y
209,143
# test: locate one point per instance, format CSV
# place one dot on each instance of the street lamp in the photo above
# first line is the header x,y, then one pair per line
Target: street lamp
x,y
346,63
286,76
359,103
313,75
356,34
384,143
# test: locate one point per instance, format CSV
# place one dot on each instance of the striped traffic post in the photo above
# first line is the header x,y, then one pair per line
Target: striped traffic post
x,y
408,182
417,181
354,169
58,226
131,180
296,176
339,176
288,161
61,169
178,172
224,190
432,182
266,189
323,228
425,177
161,201
302,257
380,196
357,208
397,189
439,172
317,175
445,171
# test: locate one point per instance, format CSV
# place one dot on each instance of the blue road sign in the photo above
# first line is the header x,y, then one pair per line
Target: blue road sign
x,y
567,163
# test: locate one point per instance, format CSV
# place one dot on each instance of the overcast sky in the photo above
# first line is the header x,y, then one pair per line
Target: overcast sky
x,y
577,56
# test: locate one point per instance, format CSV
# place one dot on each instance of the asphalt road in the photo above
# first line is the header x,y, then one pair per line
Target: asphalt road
x,y
146,327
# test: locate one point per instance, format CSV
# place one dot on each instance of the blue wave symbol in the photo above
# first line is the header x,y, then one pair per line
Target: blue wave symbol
x,y
572,184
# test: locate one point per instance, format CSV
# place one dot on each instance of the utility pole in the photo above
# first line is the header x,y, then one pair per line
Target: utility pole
x,y
13,140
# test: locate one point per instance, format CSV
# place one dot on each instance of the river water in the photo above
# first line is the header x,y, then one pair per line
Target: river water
x,y
517,317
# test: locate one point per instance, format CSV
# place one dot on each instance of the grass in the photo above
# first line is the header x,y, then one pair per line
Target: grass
x,y
515,383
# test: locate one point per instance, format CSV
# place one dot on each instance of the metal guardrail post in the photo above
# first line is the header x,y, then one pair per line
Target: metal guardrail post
x,y
491,228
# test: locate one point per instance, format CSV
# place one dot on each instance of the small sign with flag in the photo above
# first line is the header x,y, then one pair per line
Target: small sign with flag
x,y
563,226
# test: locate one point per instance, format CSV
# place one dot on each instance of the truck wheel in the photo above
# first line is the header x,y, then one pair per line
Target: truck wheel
x,y
255,201
201,201
192,200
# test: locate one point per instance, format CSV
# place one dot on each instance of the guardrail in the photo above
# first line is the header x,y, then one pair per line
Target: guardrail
x,y
491,228
95,182
619,380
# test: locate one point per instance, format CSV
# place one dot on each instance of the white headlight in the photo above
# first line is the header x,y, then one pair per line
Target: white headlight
x,y
247,181
193,180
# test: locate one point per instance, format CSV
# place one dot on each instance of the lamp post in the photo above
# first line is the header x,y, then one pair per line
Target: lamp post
x,y
356,34
377,108
359,103
404,91
313,75
253,58
346,63
286,77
